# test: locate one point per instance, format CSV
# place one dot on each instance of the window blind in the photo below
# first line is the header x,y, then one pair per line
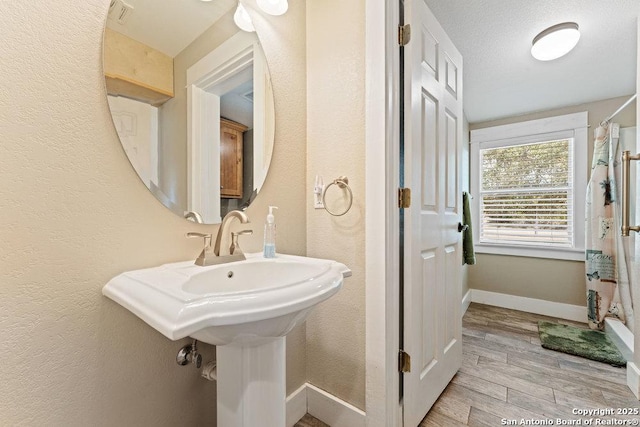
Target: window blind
x,y
526,194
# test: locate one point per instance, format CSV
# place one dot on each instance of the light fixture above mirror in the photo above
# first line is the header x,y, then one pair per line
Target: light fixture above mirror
x,y
272,7
555,41
242,19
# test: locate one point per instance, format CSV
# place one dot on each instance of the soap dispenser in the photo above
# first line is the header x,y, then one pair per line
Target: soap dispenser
x,y
270,234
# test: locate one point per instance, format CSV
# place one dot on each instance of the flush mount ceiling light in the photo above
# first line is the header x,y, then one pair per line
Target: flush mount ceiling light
x,y
242,19
555,41
273,7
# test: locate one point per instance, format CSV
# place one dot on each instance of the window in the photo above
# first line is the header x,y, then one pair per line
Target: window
x,y
528,183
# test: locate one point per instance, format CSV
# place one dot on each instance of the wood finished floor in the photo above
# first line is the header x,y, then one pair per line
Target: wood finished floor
x,y
505,374
309,421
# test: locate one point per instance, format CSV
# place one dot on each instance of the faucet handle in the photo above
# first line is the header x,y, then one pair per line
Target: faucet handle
x,y
205,236
235,247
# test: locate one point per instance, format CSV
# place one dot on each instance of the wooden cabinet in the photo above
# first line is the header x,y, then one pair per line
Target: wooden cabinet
x,y
231,164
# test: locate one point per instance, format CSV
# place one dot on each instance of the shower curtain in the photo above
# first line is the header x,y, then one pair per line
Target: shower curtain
x,y
607,277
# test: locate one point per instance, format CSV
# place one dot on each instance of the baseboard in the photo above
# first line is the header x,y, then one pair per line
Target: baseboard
x,y
296,405
530,305
633,379
323,406
333,411
621,336
466,301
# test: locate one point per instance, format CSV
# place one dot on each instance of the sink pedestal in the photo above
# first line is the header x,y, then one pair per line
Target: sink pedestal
x,y
251,384
245,308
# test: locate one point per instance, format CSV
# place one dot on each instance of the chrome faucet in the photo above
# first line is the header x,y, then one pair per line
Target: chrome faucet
x,y
214,255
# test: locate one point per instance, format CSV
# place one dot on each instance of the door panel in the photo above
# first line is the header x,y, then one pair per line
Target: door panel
x,y
429,152
429,336
433,259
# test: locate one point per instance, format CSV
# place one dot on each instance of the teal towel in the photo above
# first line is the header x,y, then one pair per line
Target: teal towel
x,y
469,256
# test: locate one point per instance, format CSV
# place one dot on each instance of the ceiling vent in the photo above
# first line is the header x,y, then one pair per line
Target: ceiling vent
x,y
119,11
248,95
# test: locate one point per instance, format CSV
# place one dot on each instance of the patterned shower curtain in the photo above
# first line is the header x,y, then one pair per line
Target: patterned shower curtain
x,y
607,280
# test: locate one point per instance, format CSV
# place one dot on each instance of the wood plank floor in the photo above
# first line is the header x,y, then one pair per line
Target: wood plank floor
x,y
505,374
309,421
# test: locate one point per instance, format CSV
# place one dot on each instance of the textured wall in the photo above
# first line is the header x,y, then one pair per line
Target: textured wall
x,y
335,130
73,214
546,279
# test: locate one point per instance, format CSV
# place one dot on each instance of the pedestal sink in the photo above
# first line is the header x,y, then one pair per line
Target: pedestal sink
x,y
245,308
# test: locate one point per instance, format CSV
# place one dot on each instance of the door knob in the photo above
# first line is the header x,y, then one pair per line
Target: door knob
x,y
462,227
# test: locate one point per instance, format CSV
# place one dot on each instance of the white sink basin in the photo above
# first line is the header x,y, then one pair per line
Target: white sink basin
x,y
245,302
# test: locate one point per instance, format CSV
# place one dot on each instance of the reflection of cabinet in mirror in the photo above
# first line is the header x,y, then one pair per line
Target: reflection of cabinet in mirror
x,y
231,162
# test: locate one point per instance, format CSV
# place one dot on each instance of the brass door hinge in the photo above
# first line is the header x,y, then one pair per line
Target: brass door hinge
x,y
404,361
404,198
404,34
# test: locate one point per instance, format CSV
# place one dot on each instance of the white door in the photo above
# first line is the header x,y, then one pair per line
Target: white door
x,y
433,248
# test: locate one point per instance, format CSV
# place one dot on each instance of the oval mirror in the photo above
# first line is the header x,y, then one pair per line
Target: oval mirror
x,y
191,99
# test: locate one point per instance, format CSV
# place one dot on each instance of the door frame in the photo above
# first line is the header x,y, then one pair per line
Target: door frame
x,y
205,79
382,229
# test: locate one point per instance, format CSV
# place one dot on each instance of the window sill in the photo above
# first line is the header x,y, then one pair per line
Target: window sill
x,y
512,250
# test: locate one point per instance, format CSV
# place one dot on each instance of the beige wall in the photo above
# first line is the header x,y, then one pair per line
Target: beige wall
x,y
546,279
74,214
335,131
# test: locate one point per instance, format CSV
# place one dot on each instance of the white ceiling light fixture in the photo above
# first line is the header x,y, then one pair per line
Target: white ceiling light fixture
x,y
273,7
555,41
242,19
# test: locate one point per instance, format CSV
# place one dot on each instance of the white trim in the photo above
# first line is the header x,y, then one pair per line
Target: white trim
x,y
382,219
576,313
466,301
537,252
203,159
296,405
621,336
331,410
323,406
526,139
530,127
633,379
224,54
569,125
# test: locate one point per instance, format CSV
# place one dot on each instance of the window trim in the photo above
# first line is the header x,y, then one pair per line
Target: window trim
x,y
566,126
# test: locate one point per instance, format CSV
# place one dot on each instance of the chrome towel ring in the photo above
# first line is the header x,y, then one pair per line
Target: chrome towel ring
x,y
341,182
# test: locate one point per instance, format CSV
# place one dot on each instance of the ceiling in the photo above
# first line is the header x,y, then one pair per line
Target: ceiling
x,y
502,79
170,25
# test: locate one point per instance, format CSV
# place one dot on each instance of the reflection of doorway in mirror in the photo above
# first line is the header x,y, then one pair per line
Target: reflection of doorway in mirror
x,y
236,109
137,126
236,62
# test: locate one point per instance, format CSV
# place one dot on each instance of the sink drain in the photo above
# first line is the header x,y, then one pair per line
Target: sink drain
x,y
230,274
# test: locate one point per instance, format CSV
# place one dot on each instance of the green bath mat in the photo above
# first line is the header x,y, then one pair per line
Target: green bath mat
x,y
594,345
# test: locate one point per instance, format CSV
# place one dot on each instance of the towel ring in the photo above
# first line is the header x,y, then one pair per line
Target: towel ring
x,y
342,182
